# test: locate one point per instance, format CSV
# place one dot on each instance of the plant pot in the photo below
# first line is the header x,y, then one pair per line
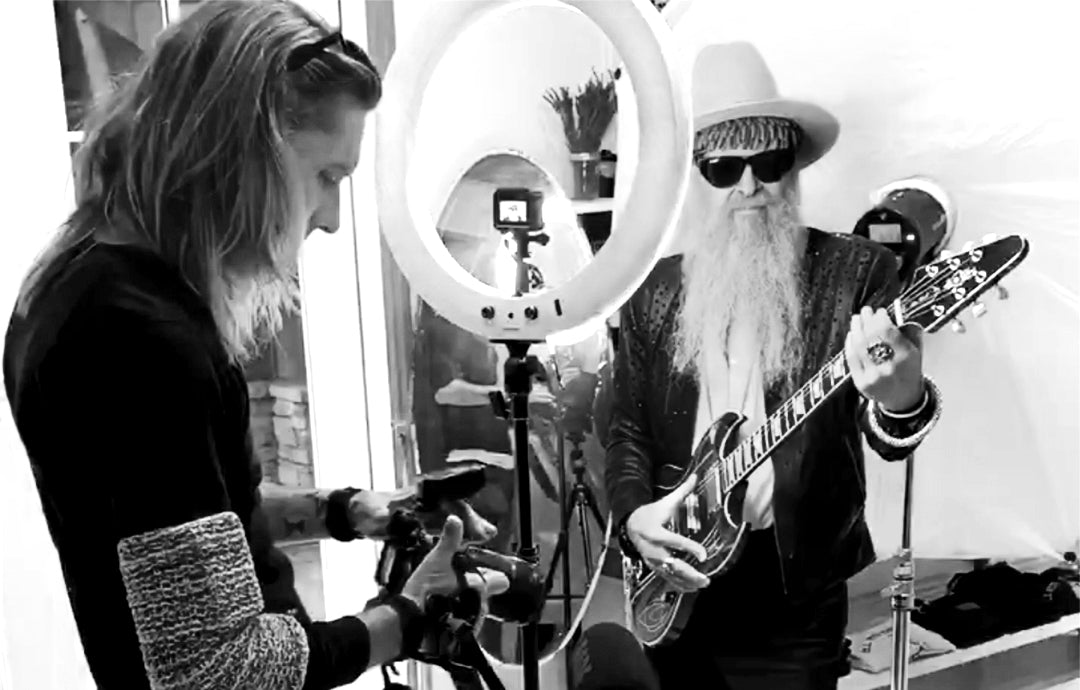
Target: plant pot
x,y
586,175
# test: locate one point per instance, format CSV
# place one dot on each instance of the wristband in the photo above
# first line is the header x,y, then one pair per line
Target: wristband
x,y
916,438
626,545
338,523
412,619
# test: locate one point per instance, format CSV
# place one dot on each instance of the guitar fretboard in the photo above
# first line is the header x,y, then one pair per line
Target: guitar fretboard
x,y
757,447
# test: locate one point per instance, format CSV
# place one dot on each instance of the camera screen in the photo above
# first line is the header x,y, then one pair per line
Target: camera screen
x,y
513,211
886,233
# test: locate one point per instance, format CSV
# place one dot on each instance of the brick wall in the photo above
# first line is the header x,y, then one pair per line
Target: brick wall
x,y
281,435
281,432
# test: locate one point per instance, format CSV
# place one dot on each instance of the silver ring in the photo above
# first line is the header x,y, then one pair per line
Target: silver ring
x,y
668,565
880,352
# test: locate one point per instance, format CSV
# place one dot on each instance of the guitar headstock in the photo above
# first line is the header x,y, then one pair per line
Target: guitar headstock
x,y
941,289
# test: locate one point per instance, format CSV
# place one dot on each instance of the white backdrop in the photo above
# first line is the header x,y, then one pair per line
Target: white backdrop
x,y
987,105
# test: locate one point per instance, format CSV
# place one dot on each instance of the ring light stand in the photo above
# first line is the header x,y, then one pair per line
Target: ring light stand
x,y
581,304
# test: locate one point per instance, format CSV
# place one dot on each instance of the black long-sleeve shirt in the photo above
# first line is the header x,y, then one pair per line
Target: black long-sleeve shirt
x,y
134,419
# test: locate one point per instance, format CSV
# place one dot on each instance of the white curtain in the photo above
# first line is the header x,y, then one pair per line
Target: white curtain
x,y
978,99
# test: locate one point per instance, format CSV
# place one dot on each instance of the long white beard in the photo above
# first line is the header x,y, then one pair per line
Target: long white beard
x,y
745,266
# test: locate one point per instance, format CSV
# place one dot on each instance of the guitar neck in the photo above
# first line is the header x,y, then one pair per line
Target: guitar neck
x,y
783,422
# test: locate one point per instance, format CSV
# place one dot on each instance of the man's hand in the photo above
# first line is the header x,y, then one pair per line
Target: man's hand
x,y
646,530
436,574
370,513
885,364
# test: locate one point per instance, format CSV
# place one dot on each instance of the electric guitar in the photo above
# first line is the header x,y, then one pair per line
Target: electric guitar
x,y
712,514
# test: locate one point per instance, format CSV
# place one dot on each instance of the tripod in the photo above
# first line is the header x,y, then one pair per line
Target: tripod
x,y
579,501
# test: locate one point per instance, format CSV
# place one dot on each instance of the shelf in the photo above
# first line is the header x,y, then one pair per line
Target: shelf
x,y
861,680
592,205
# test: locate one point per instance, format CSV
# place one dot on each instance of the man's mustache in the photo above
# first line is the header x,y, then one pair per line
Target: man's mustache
x,y
758,200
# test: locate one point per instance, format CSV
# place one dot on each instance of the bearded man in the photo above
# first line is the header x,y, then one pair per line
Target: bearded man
x,y
754,306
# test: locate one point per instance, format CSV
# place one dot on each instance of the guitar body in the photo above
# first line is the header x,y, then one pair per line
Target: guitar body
x,y
657,612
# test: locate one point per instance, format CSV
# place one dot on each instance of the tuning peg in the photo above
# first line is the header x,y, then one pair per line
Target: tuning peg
x,y
1002,293
958,326
979,310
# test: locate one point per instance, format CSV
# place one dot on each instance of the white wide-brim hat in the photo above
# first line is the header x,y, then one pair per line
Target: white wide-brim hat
x,y
732,81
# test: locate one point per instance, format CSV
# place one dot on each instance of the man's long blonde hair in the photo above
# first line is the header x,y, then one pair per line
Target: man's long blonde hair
x,y
187,158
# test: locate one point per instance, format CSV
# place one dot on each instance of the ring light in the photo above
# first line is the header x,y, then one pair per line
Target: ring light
x,y
645,225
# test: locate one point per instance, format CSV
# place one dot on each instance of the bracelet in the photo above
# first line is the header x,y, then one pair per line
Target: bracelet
x,y
918,436
338,523
914,412
411,617
626,545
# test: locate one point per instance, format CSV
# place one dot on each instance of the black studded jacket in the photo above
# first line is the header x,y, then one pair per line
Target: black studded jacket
x,y
820,479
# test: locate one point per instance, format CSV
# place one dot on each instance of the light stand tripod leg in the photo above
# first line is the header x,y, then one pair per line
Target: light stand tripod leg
x,y
561,558
586,542
594,508
562,549
581,502
903,588
587,502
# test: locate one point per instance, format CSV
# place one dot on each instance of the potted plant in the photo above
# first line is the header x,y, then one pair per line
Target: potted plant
x,y
585,116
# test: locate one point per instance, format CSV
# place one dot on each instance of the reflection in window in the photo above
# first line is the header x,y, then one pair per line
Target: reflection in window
x,y
100,41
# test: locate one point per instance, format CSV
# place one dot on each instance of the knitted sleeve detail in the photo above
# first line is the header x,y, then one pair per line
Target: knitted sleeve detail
x,y
198,611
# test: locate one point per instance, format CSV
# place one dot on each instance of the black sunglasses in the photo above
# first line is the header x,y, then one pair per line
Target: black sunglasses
x,y
768,166
309,51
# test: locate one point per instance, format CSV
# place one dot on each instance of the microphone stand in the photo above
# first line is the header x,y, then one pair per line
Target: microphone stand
x,y
903,588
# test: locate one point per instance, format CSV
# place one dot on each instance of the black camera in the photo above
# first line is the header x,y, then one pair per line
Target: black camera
x,y
448,640
518,208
